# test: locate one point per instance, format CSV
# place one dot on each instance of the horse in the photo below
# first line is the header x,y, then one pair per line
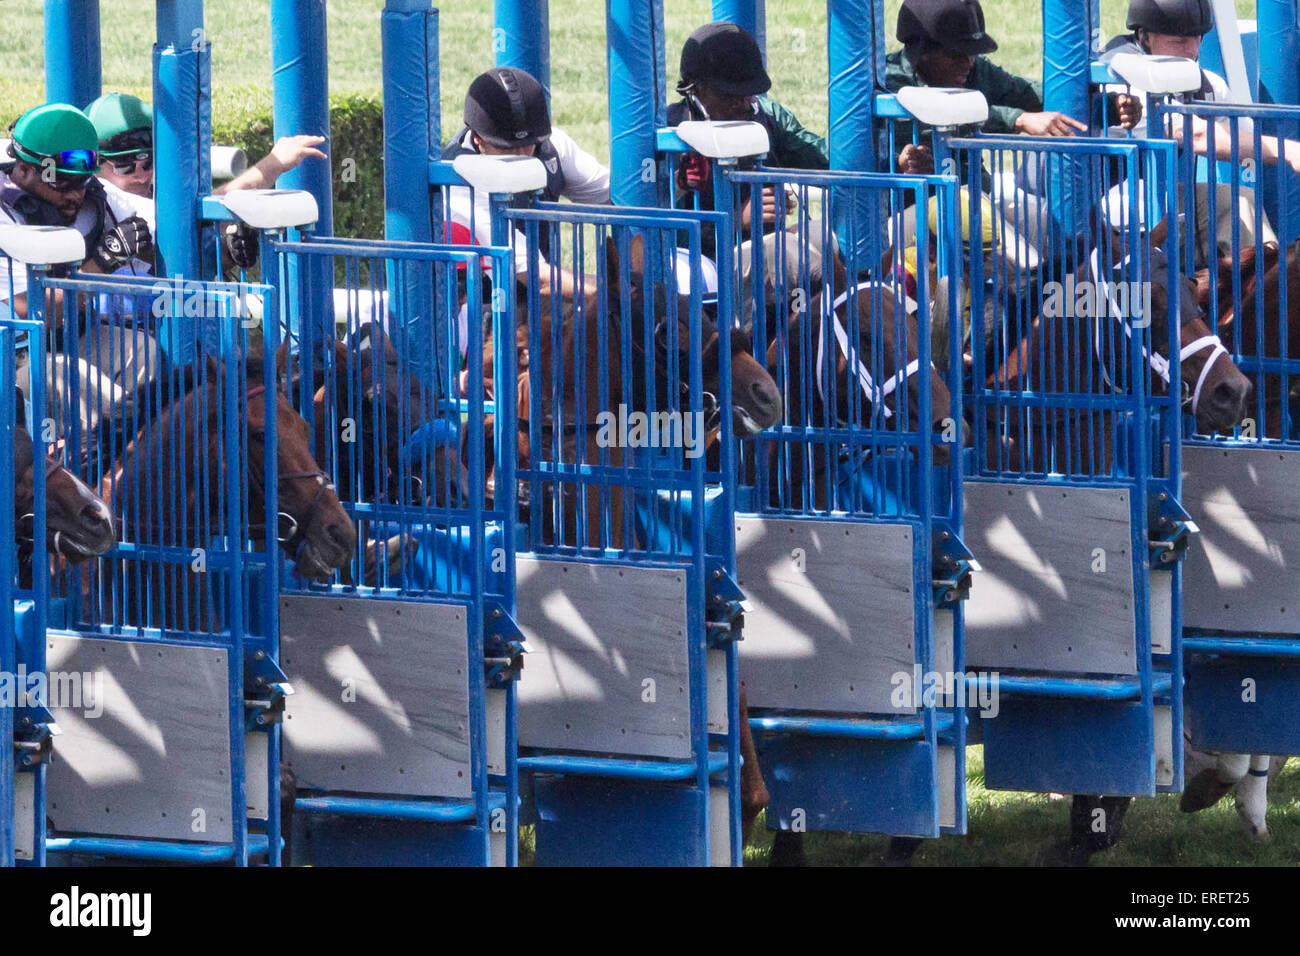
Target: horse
x,y
171,483
1257,271
572,432
365,406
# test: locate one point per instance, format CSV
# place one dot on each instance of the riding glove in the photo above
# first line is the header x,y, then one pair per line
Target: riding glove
x,y
241,242
129,239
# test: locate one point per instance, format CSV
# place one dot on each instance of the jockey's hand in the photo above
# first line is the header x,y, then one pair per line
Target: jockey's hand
x,y
693,173
769,208
129,239
1129,109
240,242
1048,124
916,160
289,151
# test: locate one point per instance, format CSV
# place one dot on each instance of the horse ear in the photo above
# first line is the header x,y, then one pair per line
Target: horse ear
x,y
281,359
611,263
636,255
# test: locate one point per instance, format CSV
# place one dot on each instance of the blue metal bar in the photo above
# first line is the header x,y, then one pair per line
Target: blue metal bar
x,y
750,14
863,728
413,124
637,98
1242,646
182,140
414,810
156,851
618,768
300,89
72,54
521,37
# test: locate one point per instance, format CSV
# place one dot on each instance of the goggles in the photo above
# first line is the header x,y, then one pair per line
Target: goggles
x,y
125,165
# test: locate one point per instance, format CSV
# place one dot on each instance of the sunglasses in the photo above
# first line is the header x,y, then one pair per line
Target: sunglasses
x,y
68,184
127,164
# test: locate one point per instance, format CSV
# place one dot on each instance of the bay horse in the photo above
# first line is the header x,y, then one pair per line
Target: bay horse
x,y
169,489
1257,271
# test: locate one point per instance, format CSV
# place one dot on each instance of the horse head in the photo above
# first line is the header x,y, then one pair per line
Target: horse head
x,y
78,524
755,400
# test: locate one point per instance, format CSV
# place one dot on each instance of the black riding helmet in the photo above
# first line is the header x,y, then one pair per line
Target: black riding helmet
x,y
952,24
1179,18
507,108
726,58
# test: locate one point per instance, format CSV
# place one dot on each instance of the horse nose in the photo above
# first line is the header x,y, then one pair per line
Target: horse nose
x,y
94,517
342,535
1229,401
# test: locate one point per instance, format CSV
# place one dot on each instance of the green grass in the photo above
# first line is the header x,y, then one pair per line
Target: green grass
x,y
1009,829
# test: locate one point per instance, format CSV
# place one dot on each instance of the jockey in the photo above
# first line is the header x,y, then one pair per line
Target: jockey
x,y
506,115
124,127
1175,28
944,45
722,78
49,181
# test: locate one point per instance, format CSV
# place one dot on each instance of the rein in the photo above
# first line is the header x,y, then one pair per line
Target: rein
x,y
323,484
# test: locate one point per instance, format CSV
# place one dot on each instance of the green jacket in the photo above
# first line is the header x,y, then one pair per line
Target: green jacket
x,y
1008,95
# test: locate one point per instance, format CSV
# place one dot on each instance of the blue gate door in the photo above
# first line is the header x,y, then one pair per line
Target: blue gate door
x,y
169,751
848,531
628,701
25,723
1243,641
1071,505
400,736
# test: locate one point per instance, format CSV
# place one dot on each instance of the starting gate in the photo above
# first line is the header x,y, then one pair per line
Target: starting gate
x,y
628,722
1071,504
400,736
1243,645
170,752
848,525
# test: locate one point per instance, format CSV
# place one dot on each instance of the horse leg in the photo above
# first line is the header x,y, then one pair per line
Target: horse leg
x,y
1212,784
753,792
1251,801
1095,824
1275,769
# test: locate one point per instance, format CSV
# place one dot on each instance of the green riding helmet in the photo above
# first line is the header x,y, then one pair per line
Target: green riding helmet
x,y
123,124
56,131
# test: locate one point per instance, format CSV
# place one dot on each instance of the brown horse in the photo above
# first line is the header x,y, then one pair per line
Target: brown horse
x,y
1259,268
571,434
172,485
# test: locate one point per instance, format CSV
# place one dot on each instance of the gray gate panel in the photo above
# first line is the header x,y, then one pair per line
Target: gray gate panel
x,y
159,751
1241,569
832,613
1041,600
600,633
381,695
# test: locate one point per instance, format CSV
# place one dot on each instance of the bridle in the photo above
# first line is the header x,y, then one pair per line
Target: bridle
x,y
292,535
712,407
1159,364
830,324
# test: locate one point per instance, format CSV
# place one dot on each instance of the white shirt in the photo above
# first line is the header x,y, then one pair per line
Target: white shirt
x,y
84,224
586,180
